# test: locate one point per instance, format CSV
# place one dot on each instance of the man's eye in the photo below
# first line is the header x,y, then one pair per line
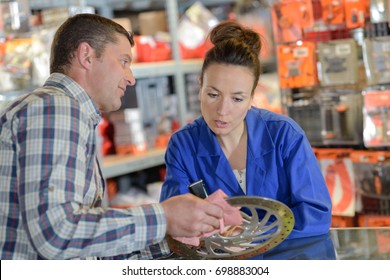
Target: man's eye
x,y
125,62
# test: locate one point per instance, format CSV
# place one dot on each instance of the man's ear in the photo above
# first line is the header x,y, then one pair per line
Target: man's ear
x,y
84,54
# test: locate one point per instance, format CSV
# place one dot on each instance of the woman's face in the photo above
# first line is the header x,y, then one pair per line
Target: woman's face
x,y
225,98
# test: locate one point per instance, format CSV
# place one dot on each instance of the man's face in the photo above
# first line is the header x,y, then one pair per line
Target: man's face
x,y
111,74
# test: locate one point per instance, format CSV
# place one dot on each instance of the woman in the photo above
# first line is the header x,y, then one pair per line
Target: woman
x,y
241,149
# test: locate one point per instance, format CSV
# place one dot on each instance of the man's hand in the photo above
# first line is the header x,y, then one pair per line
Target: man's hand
x,y
190,216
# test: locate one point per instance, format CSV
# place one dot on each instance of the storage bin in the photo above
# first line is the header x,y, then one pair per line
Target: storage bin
x,y
372,179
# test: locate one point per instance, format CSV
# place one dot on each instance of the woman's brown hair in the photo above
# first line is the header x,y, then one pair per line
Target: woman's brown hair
x,y
234,44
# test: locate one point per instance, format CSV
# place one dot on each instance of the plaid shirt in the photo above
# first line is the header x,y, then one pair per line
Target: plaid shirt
x,y
51,187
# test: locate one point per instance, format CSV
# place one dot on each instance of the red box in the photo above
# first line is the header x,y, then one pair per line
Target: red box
x,y
150,50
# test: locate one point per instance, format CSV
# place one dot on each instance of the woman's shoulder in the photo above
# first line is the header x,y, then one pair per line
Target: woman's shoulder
x,y
191,130
269,116
193,126
272,120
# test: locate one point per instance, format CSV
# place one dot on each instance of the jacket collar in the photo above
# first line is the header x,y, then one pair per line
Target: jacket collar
x,y
259,145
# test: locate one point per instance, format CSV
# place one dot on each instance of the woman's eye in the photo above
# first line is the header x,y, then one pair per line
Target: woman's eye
x,y
212,95
237,99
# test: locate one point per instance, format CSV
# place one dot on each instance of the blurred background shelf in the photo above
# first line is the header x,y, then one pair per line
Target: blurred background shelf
x,y
117,165
166,68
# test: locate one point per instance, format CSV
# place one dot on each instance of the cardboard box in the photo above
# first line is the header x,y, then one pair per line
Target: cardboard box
x,y
152,22
125,22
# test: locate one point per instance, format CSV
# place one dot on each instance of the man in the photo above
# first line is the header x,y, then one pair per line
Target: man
x,y
51,183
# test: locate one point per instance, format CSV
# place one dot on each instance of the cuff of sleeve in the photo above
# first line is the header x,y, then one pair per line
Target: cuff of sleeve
x,y
152,225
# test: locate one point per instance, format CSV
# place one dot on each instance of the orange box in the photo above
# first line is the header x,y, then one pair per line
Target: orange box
x,y
131,149
376,114
162,140
285,24
337,168
355,13
333,12
297,65
2,51
342,222
289,18
373,221
376,98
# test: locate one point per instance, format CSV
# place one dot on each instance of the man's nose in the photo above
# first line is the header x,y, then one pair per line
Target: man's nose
x,y
130,79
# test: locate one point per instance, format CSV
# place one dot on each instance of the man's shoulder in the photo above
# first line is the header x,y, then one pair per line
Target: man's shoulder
x,y
42,101
50,97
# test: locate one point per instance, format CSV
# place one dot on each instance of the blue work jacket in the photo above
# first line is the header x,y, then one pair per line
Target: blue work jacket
x,y
280,165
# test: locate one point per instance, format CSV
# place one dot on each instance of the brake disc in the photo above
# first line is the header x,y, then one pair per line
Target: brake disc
x,y
266,223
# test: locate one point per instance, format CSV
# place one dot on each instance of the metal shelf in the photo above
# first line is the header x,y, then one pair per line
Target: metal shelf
x,y
106,7
166,68
117,165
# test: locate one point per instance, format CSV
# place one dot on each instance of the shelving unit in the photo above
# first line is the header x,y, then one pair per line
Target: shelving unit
x,y
106,7
117,165
165,68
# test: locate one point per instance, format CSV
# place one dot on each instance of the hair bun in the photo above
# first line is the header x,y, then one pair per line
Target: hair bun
x,y
230,30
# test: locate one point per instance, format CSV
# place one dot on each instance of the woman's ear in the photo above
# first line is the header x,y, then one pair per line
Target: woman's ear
x,y
252,103
200,87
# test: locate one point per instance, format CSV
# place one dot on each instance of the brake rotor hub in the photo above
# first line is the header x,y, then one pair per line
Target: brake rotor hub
x,y
266,223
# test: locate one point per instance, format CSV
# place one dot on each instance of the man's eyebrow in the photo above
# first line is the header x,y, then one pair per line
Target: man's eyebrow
x,y
127,57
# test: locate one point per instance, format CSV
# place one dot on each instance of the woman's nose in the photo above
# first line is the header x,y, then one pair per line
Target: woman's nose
x,y
223,106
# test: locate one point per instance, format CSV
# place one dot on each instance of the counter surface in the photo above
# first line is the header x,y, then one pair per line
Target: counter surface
x,y
338,244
